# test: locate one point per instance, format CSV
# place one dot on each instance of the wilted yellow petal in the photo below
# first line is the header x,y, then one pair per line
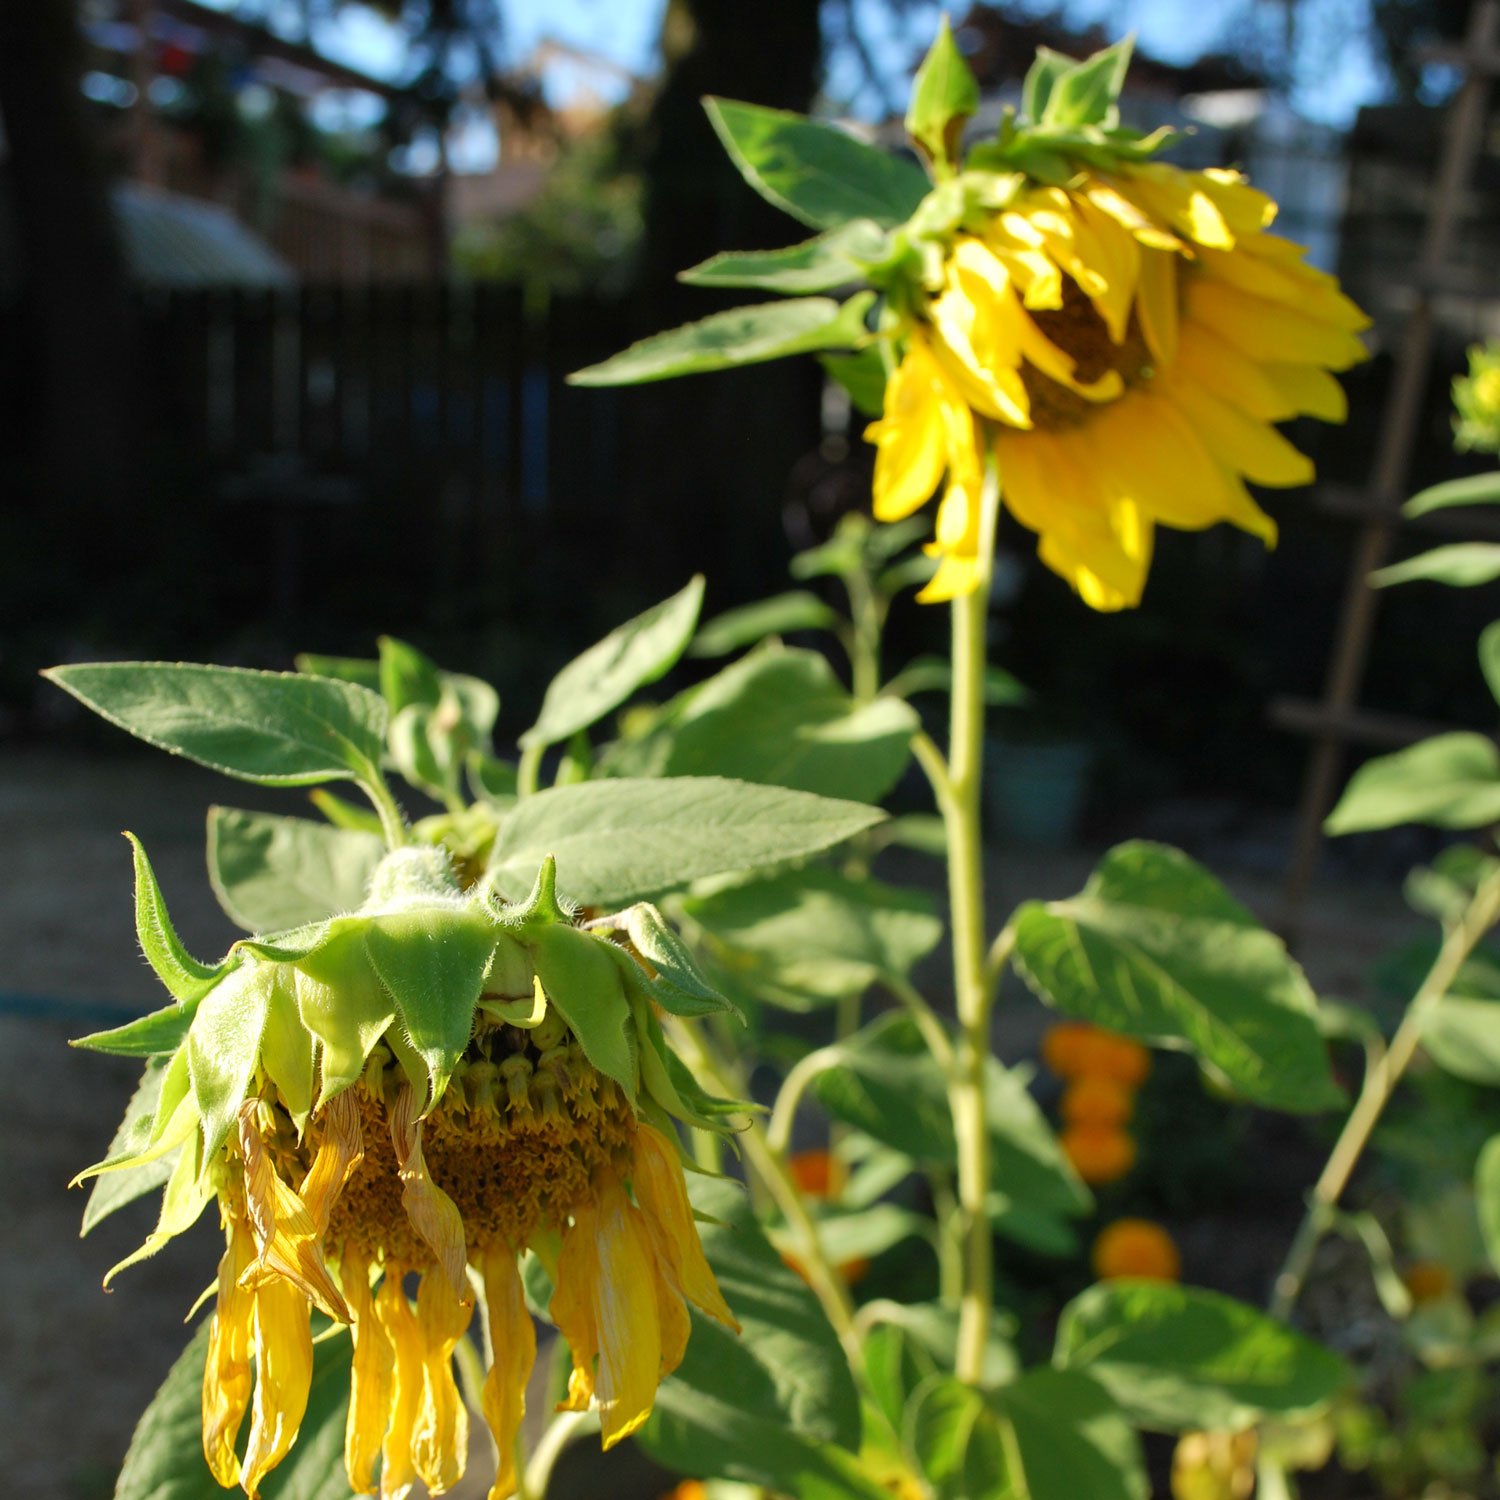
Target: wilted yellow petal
x,y
283,1377
398,1471
226,1375
372,1380
513,1343
440,1438
572,1306
433,1214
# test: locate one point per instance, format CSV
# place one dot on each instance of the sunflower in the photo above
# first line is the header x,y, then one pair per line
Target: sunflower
x,y
391,1109
1122,346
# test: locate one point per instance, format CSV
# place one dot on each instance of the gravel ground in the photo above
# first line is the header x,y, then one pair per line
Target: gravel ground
x,y
77,1365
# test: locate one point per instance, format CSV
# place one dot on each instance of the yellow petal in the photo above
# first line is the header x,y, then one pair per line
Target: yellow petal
x,y
909,438
1280,278
1124,212
661,1191
1156,303
1218,366
1270,331
289,1240
513,1342
1309,391
397,1470
372,1381
976,319
1181,199
440,1437
957,574
433,1214
283,1377
1251,448
1113,252
226,1376
572,1309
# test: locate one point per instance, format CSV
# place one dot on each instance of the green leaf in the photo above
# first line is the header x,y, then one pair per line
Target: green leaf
x,y
1156,948
1443,890
823,264
885,1083
815,933
1459,564
1178,1358
864,1233
777,716
779,615
816,173
581,980
603,677
156,1035
113,1190
944,95
1041,79
862,375
224,1047
272,873
272,728
165,1461
924,832
1475,489
1461,1033
933,674
356,669
679,987
739,336
1489,658
1450,781
771,1405
407,675
1051,1435
185,978
1487,1198
433,962
1085,93
618,840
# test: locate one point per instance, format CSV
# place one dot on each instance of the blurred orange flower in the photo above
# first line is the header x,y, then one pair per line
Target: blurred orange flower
x,y
1427,1280
1136,1247
1076,1049
814,1172
1100,1153
1096,1101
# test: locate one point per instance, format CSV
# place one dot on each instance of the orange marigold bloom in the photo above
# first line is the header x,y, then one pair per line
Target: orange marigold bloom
x,y
1101,1154
814,1172
1136,1247
1077,1049
1095,1100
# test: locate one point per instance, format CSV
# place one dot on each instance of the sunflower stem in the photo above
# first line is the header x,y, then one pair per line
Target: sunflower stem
x,y
392,824
561,1431
958,792
1381,1077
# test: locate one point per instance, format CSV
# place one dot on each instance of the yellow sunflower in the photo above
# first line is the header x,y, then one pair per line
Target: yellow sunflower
x,y
1123,346
370,1171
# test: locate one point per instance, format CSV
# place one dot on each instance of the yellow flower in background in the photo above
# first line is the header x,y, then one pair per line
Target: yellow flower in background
x,y
1136,1248
1476,401
1214,1466
1124,347
398,1109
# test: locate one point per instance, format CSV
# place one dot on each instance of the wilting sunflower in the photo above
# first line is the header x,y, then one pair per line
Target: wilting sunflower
x,y
1123,345
390,1108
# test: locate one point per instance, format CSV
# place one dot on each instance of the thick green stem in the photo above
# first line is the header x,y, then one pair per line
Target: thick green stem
x,y
959,802
1381,1078
864,644
561,1431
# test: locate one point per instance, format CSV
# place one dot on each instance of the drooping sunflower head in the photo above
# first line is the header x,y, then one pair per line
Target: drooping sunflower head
x,y
408,1099
1120,337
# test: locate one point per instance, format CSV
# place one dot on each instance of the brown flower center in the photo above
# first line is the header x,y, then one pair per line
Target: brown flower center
x,y
1081,333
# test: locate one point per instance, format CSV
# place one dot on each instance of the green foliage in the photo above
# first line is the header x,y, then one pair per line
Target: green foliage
x,y
776,716
809,937
272,873
1475,489
273,728
618,840
1156,948
1180,1358
1052,1435
1461,1033
781,614
945,94
1450,781
113,1190
763,1407
1085,93
185,978
740,336
817,173
1459,564
165,1461
1487,1198
603,677
822,264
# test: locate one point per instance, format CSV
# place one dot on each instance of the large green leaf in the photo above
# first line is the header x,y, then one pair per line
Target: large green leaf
x,y
771,1405
886,1084
618,840
165,1461
1177,1358
1487,1198
1051,1435
1475,489
1459,564
778,716
751,623
738,336
1461,1034
815,934
272,873
1156,948
819,174
823,264
603,677
1451,781
273,728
